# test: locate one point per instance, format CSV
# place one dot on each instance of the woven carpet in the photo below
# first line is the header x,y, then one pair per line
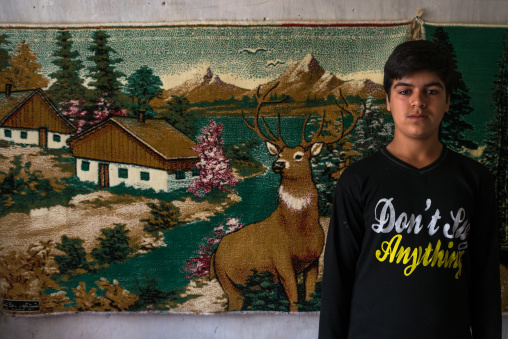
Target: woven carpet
x,y
177,169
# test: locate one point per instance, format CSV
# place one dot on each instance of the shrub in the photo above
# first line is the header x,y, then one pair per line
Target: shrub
x,y
262,293
115,298
114,245
25,276
22,189
152,298
75,257
312,305
164,216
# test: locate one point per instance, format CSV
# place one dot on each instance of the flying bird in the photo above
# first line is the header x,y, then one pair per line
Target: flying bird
x,y
253,50
274,63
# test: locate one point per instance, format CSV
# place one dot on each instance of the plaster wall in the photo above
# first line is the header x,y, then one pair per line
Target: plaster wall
x,y
73,12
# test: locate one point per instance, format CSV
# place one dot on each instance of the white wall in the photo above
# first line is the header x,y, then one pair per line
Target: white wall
x,y
159,180
150,11
57,144
32,137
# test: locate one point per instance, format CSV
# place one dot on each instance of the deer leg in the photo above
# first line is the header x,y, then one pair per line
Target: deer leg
x,y
310,277
235,299
288,280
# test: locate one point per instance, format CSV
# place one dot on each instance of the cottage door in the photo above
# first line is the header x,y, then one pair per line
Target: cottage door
x,y
43,137
104,175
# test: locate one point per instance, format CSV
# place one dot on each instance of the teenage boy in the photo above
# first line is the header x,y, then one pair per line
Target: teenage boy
x,y
412,249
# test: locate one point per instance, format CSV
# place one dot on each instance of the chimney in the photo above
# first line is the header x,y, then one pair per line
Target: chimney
x,y
141,113
8,90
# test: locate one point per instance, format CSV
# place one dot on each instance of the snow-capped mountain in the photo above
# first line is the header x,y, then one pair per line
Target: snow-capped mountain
x,y
302,80
363,88
306,78
206,87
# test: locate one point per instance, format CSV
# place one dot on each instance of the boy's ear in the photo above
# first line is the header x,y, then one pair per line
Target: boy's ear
x,y
388,103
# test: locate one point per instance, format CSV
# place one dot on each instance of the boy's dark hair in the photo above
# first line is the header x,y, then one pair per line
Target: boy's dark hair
x,y
419,55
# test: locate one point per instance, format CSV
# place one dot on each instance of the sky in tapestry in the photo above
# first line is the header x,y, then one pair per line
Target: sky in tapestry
x,y
244,56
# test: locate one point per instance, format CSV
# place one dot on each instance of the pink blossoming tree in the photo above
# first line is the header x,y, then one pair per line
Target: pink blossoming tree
x,y
83,119
214,168
199,266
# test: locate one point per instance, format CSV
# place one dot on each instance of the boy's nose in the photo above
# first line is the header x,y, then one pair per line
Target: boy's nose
x,y
418,99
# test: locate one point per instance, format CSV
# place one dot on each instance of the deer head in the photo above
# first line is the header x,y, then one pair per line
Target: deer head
x,y
294,162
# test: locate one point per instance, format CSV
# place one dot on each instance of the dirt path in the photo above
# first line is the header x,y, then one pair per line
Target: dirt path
x,y
45,162
85,218
86,214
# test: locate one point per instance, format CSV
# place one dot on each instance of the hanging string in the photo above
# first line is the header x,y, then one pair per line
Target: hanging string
x,y
416,29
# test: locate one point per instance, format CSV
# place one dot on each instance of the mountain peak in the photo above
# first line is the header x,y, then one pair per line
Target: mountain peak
x,y
309,64
308,59
207,77
216,80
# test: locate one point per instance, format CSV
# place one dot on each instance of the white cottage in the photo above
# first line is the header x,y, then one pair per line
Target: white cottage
x,y
28,117
137,152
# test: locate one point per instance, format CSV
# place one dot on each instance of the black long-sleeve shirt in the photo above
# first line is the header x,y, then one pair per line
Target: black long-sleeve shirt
x,y
412,253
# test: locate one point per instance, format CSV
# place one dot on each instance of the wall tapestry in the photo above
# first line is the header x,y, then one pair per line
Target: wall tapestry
x,y
477,123
138,165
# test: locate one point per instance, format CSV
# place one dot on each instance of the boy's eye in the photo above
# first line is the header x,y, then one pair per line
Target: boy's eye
x,y
404,92
432,91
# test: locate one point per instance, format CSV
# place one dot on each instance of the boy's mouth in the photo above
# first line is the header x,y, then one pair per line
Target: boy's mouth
x,y
417,116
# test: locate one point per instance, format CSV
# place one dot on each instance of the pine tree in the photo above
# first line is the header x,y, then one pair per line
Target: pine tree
x,y
4,60
68,85
4,53
25,72
496,152
105,79
453,127
142,86
178,115
372,132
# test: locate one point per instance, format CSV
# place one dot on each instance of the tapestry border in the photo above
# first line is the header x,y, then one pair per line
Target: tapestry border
x,y
208,23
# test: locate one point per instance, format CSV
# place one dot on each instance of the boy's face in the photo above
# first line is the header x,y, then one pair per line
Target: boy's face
x,y
418,102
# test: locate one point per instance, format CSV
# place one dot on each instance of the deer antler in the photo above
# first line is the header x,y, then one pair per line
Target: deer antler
x,y
261,101
343,132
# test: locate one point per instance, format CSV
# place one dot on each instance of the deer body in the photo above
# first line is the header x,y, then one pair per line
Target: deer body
x,y
286,244
290,241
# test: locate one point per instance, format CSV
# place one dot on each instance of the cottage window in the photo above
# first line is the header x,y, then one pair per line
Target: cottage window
x,y
195,172
85,166
8,133
145,176
24,135
57,138
123,173
180,174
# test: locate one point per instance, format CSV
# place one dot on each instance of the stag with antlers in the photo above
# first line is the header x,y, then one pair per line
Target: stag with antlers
x,y
290,241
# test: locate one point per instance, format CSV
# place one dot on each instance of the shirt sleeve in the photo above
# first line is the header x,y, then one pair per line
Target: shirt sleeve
x,y
485,292
342,250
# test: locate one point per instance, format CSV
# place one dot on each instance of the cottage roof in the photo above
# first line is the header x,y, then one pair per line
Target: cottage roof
x,y
9,104
160,136
155,134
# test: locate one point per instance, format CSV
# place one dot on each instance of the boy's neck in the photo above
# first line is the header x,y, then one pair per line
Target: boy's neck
x,y
417,153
